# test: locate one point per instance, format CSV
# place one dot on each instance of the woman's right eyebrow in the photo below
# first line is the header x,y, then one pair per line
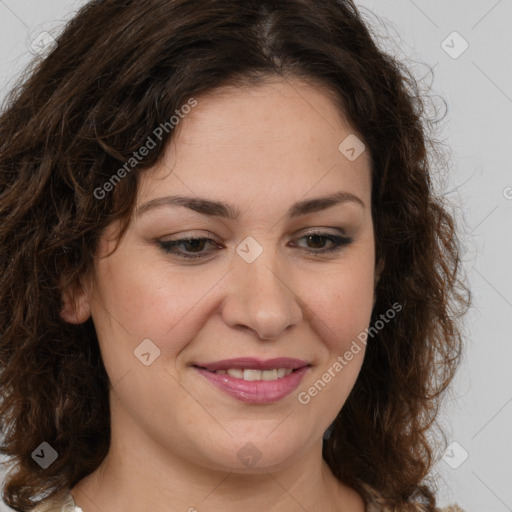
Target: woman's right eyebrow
x,y
221,209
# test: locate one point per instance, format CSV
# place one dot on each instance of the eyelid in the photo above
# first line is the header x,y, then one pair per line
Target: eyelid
x,y
193,234
338,241
322,230
198,234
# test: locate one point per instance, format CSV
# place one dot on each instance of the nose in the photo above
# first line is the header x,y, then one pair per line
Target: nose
x,y
260,298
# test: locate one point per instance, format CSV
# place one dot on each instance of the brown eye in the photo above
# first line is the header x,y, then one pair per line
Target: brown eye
x,y
316,242
192,247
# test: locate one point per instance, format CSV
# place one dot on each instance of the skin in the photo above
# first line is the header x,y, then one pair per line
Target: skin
x,y
175,437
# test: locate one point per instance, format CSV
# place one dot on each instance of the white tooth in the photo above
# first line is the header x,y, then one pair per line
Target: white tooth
x,y
252,374
269,375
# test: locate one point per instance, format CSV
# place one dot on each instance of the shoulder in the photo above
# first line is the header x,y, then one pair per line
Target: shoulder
x,y
374,503
372,507
63,502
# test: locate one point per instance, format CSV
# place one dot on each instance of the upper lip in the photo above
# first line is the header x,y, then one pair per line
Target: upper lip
x,y
252,363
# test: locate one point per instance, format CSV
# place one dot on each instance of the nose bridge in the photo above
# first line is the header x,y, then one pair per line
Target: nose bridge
x,y
261,297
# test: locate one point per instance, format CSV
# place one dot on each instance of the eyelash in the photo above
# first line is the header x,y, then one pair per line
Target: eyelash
x,y
338,241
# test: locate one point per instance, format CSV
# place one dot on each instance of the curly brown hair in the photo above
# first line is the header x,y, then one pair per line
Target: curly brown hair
x,y
79,114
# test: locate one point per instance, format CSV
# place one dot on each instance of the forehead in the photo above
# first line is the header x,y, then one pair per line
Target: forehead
x,y
280,137
274,110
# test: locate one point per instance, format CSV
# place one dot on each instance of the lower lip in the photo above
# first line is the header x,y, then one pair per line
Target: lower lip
x,y
256,391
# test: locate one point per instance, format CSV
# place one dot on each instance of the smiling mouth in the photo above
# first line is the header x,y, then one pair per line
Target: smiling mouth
x,y
253,374
271,382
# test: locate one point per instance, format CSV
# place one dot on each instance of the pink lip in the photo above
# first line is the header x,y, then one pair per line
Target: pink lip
x,y
259,391
252,363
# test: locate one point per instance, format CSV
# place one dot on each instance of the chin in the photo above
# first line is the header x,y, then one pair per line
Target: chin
x,y
257,452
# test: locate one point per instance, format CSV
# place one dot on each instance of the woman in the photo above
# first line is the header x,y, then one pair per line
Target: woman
x,y
227,280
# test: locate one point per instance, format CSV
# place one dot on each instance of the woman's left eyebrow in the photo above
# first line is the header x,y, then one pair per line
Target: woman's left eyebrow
x,y
222,209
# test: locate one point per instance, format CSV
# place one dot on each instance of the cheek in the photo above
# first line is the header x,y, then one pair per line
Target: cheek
x,y
149,299
342,301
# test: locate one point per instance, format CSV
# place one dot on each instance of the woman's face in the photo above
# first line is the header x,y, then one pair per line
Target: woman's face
x,y
250,163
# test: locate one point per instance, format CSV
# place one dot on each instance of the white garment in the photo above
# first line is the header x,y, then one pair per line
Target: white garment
x,y
62,503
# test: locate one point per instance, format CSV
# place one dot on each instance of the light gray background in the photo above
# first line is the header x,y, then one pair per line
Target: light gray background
x,y
478,88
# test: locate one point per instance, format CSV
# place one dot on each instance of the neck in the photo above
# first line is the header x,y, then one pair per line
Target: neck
x,y
146,476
